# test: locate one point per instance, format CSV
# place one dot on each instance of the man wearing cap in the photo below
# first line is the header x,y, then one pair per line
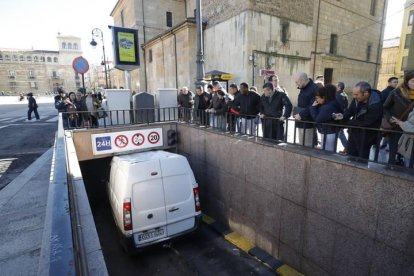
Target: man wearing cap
x,y
32,108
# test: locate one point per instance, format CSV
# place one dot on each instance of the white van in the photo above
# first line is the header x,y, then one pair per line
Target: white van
x,y
154,197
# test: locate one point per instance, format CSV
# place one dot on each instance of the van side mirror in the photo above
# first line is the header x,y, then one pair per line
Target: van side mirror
x,y
172,137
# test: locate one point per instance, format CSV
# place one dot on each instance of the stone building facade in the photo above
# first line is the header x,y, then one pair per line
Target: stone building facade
x,y
406,38
40,71
321,37
389,56
347,40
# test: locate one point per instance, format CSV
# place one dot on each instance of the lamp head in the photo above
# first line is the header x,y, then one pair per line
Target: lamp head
x,y
93,43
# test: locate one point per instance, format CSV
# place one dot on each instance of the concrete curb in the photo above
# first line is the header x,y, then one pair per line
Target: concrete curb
x,y
8,192
246,246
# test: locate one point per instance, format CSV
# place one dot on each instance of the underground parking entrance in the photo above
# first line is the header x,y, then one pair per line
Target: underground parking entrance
x,y
202,252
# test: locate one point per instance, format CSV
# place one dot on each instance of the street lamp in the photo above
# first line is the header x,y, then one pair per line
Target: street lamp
x,y
98,33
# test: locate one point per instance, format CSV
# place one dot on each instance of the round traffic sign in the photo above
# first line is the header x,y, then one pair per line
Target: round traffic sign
x,y
153,137
80,65
138,139
121,141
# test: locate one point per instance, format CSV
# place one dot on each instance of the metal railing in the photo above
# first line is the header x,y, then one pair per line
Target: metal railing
x,y
289,131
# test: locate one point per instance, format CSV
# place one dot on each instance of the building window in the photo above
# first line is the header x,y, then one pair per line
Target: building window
x,y
21,58
78,84
169,19
150,56
7,58
54,75
122,19
404,63
31,74
36,59
49,59
75,46
407,41
76,75
69,45
411,18
55,60
63,45
369,50
13,84
285,32
12,74
15,58
42,59
373,7
334,44
1,57
29,58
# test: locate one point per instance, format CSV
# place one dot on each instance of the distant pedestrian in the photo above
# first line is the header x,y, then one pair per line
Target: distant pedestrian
x,y
32,107
342,99
274,79
201,103
185,103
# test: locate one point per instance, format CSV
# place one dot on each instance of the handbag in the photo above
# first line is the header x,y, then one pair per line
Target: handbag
x,y
385,123
405,145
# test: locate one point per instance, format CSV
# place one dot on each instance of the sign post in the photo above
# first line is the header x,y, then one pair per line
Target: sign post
x,y
81,66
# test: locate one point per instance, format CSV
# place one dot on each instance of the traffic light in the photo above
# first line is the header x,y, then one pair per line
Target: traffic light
x,y
172,137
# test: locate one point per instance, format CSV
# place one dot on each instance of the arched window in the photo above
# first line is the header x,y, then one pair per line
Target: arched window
x,y
1,57
29,58
21,58
55,59
49,59
15,58
36,59
75,46
63,45
42,59
69,45
7,58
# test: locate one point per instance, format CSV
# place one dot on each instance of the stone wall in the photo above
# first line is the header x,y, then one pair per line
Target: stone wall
x,y
217,11
321,215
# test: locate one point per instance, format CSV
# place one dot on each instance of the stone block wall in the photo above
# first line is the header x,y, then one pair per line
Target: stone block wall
x,y
322,217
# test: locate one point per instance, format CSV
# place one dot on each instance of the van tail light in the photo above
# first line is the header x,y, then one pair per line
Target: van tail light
x,y
197,200
127,215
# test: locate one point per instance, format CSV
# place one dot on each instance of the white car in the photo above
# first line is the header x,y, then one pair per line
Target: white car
x,y
154,197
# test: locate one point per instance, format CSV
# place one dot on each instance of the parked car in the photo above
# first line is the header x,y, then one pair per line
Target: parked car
x,y
154,197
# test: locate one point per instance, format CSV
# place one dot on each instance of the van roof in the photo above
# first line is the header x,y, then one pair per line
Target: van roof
x,y
146,156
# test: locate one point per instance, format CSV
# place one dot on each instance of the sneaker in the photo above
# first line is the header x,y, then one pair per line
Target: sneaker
x,y
27,120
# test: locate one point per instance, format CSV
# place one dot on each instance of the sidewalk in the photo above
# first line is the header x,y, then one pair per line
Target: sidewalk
x,y
22,215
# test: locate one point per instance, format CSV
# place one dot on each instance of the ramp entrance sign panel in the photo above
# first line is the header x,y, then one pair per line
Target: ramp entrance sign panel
x,y
105,143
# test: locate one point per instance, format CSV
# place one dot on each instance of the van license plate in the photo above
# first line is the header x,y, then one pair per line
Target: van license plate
x,y
150,235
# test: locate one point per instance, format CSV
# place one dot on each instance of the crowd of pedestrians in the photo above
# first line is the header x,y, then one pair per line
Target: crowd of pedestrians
x,y
323,115
78,110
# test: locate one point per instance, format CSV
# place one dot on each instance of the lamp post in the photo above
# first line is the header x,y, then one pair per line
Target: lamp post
x,y
200,52
98,33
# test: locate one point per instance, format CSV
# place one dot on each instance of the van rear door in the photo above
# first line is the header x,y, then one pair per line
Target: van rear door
x,y
148,207
178,182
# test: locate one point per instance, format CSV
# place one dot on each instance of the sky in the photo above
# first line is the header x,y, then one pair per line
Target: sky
x,y
27,24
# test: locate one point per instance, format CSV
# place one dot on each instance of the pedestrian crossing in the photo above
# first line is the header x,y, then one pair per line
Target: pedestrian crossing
x,y
13,120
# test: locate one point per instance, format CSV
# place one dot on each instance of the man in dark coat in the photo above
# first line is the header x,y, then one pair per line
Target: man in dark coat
x,y
32,108
306,98
248,105
201,103
275,107
185,103
392,84
365,111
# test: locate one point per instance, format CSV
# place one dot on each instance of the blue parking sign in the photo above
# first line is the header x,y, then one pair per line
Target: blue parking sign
x,y
103,143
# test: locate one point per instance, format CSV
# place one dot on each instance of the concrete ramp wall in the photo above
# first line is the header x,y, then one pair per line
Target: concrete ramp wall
x,y
318,213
